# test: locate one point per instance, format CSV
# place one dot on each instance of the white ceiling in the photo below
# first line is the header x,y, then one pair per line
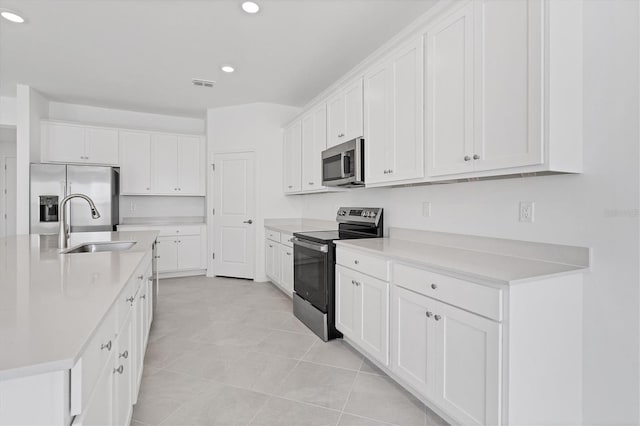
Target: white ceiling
x,y
142,54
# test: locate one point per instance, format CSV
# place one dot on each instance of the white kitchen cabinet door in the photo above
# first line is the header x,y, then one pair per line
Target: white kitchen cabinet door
x,y
286,268
123,375
164,152
273,265
336,116
64,143
190,165
138,331
347,305
99,410
413,346
167,254
292,158
314,141
101,146
378,120
135,163
468,365
449,94
406,155
189,253
372,295
353,127
508,83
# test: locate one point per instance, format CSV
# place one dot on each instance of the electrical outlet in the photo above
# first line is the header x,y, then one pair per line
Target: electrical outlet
x,y
527,211
132,206
426,209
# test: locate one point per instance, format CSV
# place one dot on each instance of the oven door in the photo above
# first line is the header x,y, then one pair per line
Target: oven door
x,y
311,268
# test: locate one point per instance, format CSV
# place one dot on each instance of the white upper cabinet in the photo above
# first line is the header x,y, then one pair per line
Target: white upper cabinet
x,y
164,153
394,146
507,83
292,158
345,114
484,88
449,93
135,163
73,143
314,141
161,164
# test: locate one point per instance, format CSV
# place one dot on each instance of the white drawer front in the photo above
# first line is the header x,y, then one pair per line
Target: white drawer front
x,y
287,240
272,235
370,265
477,298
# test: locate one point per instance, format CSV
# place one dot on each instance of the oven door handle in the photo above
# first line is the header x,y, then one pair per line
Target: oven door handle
x,y
324,248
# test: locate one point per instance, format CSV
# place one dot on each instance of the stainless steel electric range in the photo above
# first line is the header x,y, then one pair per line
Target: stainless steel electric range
x,y
314,267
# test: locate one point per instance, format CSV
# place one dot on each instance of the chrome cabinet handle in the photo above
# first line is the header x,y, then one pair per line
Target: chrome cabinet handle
x,y
311,183
476,157
290,186
288,253
354,282
437,317
356,261
248,221
124,355
144,296
131,299
118,370
140,277
434,286
106,346
467,158
148,189
429,314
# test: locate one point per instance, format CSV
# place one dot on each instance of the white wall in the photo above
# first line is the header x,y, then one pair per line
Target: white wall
x,y
254,127
31,106
151,206
123,118
7,111
598,209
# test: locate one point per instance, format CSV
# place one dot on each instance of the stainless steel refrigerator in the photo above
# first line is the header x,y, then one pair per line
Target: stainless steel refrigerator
x,y
50,183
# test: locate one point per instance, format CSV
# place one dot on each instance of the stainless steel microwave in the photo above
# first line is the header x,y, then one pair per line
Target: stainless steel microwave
x,y
343,165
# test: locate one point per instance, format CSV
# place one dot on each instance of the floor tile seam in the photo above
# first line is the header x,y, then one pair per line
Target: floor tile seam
x,y
264,403
329,365
353,384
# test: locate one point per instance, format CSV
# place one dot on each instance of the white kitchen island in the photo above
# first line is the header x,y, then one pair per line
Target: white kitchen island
x,y
73,328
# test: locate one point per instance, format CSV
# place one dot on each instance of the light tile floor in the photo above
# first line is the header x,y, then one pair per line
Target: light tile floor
x,y
230,352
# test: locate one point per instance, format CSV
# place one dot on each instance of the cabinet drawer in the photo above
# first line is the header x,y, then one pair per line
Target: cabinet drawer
x,y
287,240
92,362
477,298
125,301
370,265
272,235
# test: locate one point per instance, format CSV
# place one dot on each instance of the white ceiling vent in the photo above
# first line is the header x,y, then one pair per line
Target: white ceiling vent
x,y
202,83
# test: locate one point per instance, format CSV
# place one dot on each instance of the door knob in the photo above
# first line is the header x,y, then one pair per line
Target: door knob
x,y
248,221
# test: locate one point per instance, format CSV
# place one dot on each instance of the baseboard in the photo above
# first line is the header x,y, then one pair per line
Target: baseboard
x,y
182,274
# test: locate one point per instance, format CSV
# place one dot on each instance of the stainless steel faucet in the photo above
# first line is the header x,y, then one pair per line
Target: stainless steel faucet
x,y
63,236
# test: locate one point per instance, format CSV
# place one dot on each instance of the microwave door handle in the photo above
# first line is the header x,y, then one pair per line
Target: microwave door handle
x,y
342,172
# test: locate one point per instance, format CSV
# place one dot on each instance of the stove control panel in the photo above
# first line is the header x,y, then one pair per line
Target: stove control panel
x,y
359,214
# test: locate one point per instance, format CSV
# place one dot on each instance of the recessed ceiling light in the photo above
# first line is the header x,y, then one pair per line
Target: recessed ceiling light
x,y
250,7
227,68
12,16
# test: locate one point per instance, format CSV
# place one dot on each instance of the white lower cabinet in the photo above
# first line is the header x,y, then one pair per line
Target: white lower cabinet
x,y
449,355
123,373
278,260
362,311
100,408
181,248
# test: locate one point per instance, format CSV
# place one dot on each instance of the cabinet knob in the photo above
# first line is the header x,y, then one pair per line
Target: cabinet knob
x,y
476,157
106,346
437,317
148,189
311,183
144,296
288,253
131,299
434,286
248,221
140,277
118,370
354,282
124,355
429,314
356,261
467,158
290,186
385,172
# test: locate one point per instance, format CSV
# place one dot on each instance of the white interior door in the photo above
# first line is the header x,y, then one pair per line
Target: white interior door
x,y
234,217
10,204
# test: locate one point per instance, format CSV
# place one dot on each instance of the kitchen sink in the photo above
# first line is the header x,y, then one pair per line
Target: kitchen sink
x,y
100,246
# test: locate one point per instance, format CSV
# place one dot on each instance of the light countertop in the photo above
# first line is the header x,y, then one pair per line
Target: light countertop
x,y
52,303
290,226
484,267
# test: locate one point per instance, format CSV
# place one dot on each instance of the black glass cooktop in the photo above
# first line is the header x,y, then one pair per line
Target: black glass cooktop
x,y
328,236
